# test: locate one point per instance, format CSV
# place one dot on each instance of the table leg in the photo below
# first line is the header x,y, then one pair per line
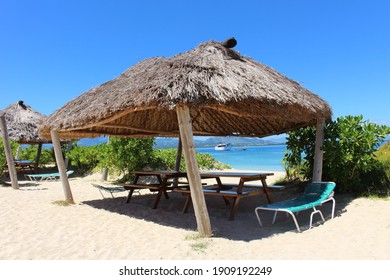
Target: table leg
x,y
160,192
130,195
266,190
132,189
164,184
234,209
187,204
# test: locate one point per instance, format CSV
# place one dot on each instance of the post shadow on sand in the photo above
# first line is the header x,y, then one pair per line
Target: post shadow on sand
x,y
244,227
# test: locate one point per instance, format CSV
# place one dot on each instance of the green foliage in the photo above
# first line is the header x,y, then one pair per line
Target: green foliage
x,y
120,156
349,159
84,158
299,157
383,156
166,159
30,152
123,155
127,154
207,162
383,153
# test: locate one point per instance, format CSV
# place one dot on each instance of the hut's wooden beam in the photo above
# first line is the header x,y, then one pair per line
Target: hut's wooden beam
x,y
112,118
38,157
8,153
68,149
18,152
123,126
178,161
198,200
61,166
105,169
318,153
224,109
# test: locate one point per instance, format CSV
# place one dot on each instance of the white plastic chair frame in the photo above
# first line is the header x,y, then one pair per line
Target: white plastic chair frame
x,y
315,211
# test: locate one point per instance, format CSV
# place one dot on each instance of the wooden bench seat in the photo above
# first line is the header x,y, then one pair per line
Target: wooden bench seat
x,y
152,187
271,188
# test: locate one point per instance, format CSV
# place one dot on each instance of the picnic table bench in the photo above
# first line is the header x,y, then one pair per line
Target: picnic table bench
x,y
163,184
24,165
229,191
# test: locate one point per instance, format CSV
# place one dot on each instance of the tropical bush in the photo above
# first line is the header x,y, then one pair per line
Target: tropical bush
x,y
123,155
349,155
383,156
84,158
166,159
30,152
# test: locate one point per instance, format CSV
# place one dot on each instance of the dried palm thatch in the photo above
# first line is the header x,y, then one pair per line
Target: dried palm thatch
x,y
22,123
227,93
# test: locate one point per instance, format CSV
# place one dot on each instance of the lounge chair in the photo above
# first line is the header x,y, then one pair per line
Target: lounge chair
x,y
47,176
315,194
110,190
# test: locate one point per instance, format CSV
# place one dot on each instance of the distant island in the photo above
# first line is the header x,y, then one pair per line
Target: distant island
x,y
204,142
200,142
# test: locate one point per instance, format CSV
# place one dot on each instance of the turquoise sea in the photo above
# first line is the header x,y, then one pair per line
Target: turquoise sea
x,y
264,158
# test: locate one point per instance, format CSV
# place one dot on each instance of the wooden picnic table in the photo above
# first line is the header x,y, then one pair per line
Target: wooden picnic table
x,y
234,191
164,183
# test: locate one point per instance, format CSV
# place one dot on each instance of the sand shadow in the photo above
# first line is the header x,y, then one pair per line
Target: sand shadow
x,y
244,227
26,186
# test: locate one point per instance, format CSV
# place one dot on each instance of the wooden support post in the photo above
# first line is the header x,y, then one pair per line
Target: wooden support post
x,y
8,154
18,152
178,161
318,154
61,166
105,169
198,200
68,149
105,174
38,158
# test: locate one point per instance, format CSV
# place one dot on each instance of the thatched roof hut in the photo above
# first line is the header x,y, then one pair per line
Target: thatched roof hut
x,y
22,123
209,90
227,93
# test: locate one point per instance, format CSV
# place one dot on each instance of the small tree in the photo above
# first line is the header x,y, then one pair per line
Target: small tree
x,y
30,153
349,160
84,158
166,159
127,154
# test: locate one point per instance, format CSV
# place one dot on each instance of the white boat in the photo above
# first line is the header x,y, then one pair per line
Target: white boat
x,y
223,147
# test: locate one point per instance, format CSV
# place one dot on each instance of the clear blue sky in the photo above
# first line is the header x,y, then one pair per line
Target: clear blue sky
x,y
53,51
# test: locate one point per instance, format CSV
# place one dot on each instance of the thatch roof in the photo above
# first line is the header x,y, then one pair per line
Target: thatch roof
x,y
228,94
22,123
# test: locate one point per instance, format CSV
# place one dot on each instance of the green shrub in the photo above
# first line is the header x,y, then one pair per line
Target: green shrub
x,y
123,155
166,159
29,152
349,159
207,162
383,156
84,158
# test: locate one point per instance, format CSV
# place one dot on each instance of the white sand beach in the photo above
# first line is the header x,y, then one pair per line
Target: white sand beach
x,y
34,228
